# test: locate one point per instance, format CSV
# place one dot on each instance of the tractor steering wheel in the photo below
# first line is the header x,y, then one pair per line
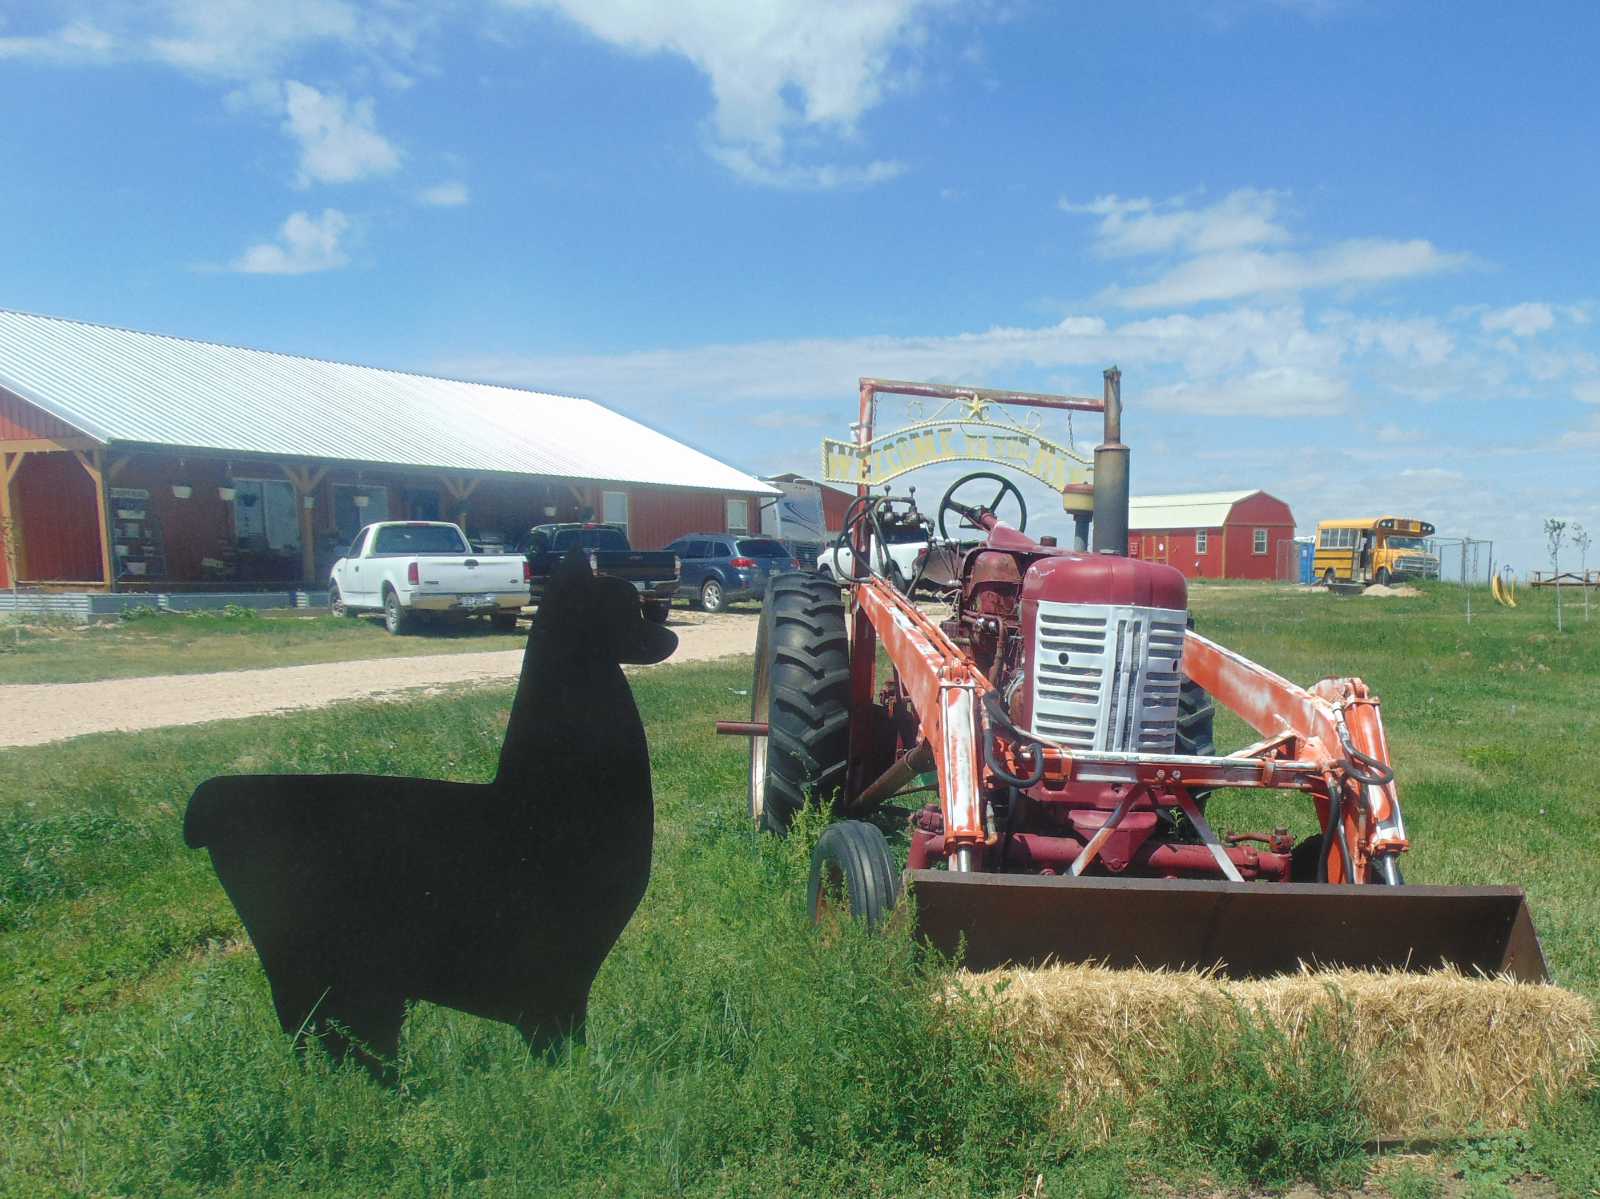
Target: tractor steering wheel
x,y
970,514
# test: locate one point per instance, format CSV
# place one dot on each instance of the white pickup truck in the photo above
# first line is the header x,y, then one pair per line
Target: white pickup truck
x,y
405,568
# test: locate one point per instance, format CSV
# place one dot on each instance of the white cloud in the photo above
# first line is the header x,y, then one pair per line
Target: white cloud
x,y
1419,339
1277,392
1392,434
237,40
241,39
1246,217
776,67
1222,250
1235,274
1251,361
796,177
1520,320
76,42
339,140
305,244
450,194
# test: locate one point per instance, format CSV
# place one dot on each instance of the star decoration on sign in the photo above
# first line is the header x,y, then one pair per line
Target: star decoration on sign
x,y
976,409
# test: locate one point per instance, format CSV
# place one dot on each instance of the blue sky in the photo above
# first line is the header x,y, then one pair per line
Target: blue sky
x,y
1343,250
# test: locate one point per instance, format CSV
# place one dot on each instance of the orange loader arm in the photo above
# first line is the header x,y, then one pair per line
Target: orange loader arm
x,y
1337,726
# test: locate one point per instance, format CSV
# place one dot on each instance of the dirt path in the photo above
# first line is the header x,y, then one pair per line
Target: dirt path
x,y
33,714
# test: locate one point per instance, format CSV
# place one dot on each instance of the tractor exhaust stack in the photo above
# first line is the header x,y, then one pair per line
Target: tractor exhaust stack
x,y
1111,476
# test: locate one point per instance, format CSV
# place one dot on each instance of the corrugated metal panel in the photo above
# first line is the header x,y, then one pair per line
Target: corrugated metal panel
x,y
122,386
1195,510
69,606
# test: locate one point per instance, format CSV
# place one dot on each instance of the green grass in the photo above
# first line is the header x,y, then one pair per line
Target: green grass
x,y
195,643
1490,726
732,1051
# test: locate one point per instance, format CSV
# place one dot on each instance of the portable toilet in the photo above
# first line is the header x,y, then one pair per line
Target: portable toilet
x,y
1307,547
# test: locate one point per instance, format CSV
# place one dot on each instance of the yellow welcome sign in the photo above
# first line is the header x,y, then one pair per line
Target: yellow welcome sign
x,y
932,442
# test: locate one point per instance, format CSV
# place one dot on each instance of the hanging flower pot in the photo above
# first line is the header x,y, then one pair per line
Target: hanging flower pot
x,y
227,493
181,491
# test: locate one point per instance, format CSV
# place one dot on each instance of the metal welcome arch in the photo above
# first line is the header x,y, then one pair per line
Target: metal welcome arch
x,y
969,439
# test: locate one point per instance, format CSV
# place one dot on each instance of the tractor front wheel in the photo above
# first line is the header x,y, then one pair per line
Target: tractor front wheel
x,y
852,865
801,692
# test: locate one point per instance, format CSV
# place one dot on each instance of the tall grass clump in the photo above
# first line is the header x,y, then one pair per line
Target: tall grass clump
x,y
1257,1109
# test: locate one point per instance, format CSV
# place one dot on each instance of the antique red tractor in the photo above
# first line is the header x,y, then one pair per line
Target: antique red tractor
x,y
1061,713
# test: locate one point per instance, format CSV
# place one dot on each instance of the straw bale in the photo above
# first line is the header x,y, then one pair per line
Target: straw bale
x,y
1434,1054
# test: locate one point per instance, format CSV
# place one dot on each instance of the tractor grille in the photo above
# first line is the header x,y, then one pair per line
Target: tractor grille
x,y
1106,678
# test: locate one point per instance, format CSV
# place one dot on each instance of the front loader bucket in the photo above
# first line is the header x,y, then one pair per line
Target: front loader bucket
x,y
1244,930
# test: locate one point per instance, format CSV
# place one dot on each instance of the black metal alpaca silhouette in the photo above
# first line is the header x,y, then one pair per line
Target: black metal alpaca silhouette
x,y
501,899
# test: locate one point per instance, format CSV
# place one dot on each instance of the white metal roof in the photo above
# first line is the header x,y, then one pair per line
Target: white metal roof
x,y
1194,510
142,388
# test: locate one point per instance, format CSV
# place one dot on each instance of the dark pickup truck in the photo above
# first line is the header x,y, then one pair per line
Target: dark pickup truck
x,y
653,573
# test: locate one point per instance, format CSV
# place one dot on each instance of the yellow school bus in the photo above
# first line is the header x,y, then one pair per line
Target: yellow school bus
x,y
1377,549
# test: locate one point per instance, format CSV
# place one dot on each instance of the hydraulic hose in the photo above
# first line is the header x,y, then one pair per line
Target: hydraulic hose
x,y
994,708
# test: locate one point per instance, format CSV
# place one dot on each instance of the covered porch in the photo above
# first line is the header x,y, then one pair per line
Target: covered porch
x,y
79,516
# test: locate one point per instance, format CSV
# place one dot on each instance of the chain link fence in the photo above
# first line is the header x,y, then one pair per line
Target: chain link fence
x,y
1468,561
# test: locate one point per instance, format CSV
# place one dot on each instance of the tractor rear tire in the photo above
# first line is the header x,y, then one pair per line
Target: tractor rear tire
x,y
801,693
852,863
1197,715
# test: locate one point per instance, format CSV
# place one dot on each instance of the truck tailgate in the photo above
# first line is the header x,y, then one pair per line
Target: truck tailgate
x,y
477,574
637,566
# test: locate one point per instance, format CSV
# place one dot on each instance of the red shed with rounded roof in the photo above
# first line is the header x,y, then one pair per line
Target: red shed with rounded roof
x,y
1214,534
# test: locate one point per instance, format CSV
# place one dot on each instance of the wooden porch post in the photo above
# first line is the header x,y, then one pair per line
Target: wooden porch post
x,y
11,514
305,481
94,461
461,491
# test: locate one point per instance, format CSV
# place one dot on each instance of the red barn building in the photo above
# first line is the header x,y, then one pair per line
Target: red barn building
x,y
130,461
1212,534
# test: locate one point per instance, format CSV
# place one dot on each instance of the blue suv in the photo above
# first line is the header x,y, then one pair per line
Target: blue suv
x,y
719,568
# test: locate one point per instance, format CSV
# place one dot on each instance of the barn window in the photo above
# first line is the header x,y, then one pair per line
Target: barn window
x,y
738,516
614,508
1200,543
1261,541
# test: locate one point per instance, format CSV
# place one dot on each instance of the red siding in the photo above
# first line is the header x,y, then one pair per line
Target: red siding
x,y
1176,547
21,421
1261,509
659,515
198,527
834,504
59,524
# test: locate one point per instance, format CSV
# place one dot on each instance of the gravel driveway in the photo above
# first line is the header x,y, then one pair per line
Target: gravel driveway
x,y
40,713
